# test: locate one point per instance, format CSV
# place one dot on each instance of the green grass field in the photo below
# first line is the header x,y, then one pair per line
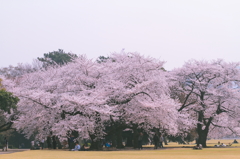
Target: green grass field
x,y
168,153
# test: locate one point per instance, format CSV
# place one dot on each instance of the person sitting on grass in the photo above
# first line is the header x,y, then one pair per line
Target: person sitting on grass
x,y
235,141
107,145
77,147
198,147
83,148
223,145
229,144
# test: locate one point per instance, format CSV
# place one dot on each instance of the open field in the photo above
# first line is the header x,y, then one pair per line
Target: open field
x,y
210,143
179,153
169,153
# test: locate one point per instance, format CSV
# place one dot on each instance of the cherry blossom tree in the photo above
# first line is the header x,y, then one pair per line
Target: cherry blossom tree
x,y
140,94
210,93
84,95
51,97
20,69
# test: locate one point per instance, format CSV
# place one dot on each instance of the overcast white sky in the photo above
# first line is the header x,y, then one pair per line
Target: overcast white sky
x,y
172,30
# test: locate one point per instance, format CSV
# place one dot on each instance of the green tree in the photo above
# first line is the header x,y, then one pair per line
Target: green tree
x,y
101,59
7,102
57,57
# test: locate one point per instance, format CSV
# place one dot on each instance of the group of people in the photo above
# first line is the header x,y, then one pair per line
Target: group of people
x,y
222,144
73,145
158,140
53,143
37,145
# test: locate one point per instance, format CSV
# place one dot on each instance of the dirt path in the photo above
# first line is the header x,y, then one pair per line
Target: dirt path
x,y
12,151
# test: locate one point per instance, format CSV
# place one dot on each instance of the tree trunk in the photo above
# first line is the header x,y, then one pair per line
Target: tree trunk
x,y
96,141
202,134
114,143
204,140
199,128
95,144
135,138
119,138
59,143
129,139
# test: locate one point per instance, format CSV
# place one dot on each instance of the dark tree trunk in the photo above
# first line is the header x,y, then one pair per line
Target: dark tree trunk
x,y
116,137
205,132
202,134
114,143
119,139
129,137
59,144
199,128
202,138
135,137
129,142
96,141
116,133
95,144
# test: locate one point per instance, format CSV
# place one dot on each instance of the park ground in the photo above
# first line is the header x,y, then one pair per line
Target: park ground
x,y
172,151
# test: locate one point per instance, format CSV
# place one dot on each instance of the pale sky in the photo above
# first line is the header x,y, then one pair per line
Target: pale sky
x,y
171,30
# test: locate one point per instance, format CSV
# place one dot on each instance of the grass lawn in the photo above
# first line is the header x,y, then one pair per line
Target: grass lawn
x,y
168,153
210,143
225,141
179,153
